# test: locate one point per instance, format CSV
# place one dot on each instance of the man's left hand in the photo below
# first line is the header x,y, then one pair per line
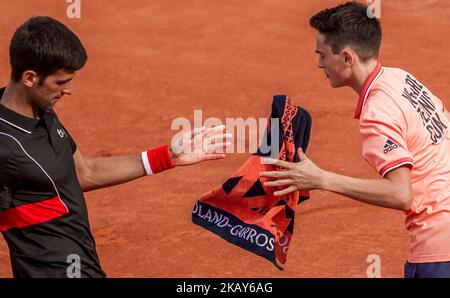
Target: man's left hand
x,y
304,175
199,145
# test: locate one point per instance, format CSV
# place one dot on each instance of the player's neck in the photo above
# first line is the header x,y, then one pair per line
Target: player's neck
x,y
360,75
15,99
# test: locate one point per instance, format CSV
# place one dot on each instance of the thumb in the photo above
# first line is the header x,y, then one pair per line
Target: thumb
x,y
301,155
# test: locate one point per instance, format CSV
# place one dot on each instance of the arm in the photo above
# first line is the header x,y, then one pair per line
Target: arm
x,y
393,191
102,172
191,148
447,115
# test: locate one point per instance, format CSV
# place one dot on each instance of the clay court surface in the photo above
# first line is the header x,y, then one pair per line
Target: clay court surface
x,y
151,61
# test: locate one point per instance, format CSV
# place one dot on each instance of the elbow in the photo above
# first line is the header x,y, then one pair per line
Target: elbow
x,y
84,183
82,179
85,177
404,201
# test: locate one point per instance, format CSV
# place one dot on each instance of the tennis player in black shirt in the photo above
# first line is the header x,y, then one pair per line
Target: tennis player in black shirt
x,y
43,214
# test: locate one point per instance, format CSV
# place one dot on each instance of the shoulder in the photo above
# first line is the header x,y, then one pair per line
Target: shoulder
x,y
385,98
56,119
53,114
382,105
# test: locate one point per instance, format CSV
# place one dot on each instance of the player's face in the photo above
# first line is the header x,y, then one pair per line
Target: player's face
x,y
53,88
333,65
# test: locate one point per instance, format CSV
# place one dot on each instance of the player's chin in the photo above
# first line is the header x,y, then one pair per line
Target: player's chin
x,y
46,105
50,105
55,101
335,84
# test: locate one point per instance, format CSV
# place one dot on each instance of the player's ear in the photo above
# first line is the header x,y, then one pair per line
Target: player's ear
x,y
30,78
349,57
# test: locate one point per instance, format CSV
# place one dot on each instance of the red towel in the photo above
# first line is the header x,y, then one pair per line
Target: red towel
x,y
246,213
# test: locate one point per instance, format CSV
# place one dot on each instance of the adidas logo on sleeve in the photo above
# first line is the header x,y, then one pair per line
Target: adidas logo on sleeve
x,y
389,146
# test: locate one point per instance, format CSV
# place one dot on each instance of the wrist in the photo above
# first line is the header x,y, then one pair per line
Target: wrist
x,y
172,156
157,160
325,180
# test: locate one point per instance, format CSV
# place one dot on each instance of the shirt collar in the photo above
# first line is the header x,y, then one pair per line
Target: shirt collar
x,y
22,122
376,73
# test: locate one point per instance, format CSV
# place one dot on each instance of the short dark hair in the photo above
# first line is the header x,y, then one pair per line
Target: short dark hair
x,y
44,45
348,24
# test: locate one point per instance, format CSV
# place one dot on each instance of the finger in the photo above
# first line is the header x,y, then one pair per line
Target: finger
x,y
217,147
277,162
197,130
218,127
285,191
218,138
268,161
208,132
217,144
198,138
220,145
275,174
302,156
213,156
214,130
279,182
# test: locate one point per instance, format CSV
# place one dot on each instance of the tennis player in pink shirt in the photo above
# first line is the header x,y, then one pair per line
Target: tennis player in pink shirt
x,y
404,130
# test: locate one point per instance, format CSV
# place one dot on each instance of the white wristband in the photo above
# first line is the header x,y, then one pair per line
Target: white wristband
x,y
146,163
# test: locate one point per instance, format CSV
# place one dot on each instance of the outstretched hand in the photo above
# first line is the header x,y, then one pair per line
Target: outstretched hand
x,y
199,145
304,175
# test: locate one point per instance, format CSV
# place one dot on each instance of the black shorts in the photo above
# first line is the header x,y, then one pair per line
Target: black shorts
x,y
427,270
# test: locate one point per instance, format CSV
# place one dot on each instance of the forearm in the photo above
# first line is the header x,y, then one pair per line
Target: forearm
x,y
102,172
379,192
109,171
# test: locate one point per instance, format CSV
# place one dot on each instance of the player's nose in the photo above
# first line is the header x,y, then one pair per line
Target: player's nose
x,y
67,90
320,64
